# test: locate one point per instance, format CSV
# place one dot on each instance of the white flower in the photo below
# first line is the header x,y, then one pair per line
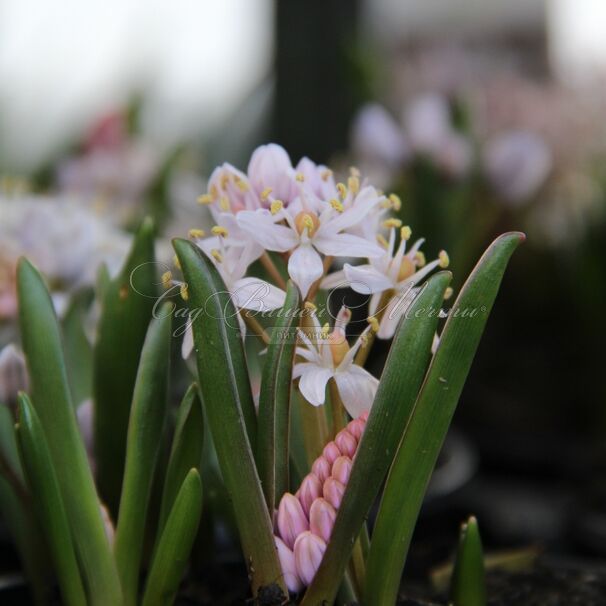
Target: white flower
x,y
394,273
309,226
332,358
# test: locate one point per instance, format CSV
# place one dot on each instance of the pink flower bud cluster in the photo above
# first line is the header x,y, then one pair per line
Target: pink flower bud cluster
x,y
305,520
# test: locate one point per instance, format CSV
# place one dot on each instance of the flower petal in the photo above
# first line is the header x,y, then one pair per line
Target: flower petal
x,y
357,388
346,245
305,267
257,295
260,225
313,381
366,279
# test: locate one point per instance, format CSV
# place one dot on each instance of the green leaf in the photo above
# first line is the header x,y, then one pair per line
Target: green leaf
x,y
175,544
400,382
468,583
52,401
44,486
274,401
78,350
186,450
126,309
227,398
147,418
427,429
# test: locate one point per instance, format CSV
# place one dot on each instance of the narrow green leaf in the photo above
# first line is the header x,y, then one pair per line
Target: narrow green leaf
x,y
175,544
52,401
186,450
226,396
126,309
427,429
147,418
468,583
43,483
274,401
400,382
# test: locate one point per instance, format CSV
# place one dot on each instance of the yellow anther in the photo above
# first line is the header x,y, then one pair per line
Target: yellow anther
x,y
342,190
224,180
395,201
444,259
309,306
300,177
405,233
205,199
218,230
354,171
353,183
276,207
224,203
374,323
385,204
216,255
242,185
176,262
307,221
265,193
326,174
184,293
382,241
196,234
167,279
392,223
420,258
338,206
325,331
448,293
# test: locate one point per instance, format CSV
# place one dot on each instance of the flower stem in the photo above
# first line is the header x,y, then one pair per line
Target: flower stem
x,y
364,350
315,429
272,270
254,326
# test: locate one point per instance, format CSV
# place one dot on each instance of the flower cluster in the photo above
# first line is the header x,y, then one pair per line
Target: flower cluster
x,y
305,520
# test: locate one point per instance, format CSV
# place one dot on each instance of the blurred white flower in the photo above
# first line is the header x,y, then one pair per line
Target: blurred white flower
x,y
517,163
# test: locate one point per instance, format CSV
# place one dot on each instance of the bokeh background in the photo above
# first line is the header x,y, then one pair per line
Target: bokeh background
x,y
482,116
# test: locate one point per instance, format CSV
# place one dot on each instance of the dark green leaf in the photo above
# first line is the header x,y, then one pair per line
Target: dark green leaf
x,y
468,583
427,429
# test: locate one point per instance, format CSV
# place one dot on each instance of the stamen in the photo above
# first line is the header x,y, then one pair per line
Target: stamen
x,y
176,262
342,190
218,230
405,233
300,177
448,293
338,206
265,193
205,199
374,323
242,185
326,174
392,223
196,234
420,258
184,293
395,201
444,259
382,241
307,221
354,185
224,203
167,279
354,172
310,306
216,255
276,207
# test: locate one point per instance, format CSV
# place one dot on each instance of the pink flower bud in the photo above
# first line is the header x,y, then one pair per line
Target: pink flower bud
x,y
310,489
270,167
309,550
341,469
321,468
291,519
322,518
289,568
331,452
356,428
346,443
333,492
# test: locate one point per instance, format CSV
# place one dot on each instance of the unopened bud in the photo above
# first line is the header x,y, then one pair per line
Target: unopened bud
x,y
322,518
346,443
13,374
333,492
289,568
331,452
309,551
291,519
321,468
310,489
341,469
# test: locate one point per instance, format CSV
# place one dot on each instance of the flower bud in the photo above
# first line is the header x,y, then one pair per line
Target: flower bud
x,y
322,518
331,452
346,443
333,492
341,469
291,519
289,569
309,550
13,374
356,428
270,166
321,468
310,489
